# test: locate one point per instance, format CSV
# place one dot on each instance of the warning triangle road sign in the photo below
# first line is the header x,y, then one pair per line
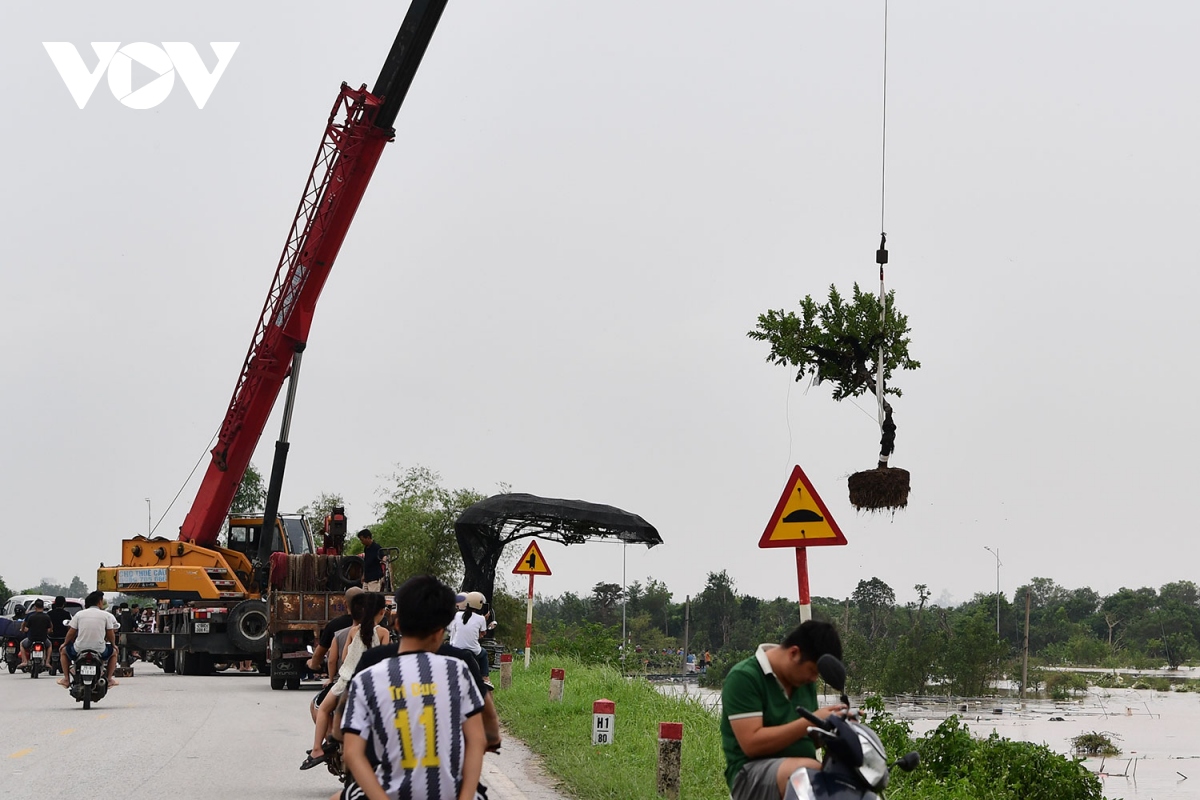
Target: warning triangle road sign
x,y
801,519
532,562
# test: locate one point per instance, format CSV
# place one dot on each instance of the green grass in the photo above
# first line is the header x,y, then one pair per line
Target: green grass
x,y
561,732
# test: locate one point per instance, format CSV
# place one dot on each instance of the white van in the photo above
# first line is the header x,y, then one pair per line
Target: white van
x,y
74,604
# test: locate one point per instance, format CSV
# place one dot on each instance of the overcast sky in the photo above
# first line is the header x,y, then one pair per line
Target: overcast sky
x,y
550,279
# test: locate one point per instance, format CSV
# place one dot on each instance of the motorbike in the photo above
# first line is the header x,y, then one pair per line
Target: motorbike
x,y
39,654
855,766
89,682
12,652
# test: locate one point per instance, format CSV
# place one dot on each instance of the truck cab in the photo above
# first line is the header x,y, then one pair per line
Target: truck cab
x,y
291,536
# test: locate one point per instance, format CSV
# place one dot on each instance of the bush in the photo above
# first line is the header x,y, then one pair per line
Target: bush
x,y
714,677
1095,744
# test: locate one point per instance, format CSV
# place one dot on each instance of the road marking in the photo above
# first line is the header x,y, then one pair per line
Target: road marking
x,y
67,731
22,753
101,716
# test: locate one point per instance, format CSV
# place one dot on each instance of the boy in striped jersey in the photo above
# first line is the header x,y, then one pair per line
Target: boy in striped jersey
x,y
412,725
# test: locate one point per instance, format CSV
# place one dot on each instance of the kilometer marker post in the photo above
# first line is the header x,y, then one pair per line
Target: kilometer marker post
x,y
531,563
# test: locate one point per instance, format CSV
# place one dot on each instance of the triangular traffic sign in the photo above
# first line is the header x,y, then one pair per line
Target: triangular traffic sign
x,y
801,519
532,562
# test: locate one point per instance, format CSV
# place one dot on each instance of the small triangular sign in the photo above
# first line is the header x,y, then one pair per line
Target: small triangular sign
x,y
532,562
801,518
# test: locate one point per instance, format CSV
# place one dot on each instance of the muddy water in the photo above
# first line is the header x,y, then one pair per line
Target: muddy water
x,y
1158,733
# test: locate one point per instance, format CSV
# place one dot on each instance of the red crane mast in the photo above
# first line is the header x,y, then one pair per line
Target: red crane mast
x,y
359,125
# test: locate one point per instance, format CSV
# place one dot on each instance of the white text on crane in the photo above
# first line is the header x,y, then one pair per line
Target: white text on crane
x,y
164,61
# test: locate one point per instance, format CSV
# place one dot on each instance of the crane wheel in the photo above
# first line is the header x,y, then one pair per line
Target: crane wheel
x,y
247,626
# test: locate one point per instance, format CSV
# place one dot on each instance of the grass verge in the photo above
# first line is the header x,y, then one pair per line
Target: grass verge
x,y
561,732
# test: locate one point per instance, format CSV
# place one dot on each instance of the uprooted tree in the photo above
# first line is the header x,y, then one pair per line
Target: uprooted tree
x,y
845,343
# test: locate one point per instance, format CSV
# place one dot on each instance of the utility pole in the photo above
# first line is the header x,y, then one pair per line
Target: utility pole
x,y
148,518
1025,664
687,615
624,605
996,553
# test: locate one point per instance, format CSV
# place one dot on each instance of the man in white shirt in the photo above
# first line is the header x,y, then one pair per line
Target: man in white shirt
x,y
91,629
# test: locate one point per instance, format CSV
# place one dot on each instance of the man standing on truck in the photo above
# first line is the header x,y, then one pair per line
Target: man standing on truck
x,y
91,629
372,562
763,737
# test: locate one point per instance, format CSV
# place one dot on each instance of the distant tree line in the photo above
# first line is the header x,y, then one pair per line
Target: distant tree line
x,y
915,647
75,588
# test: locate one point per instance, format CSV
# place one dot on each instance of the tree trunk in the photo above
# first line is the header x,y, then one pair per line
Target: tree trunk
x,y
887,442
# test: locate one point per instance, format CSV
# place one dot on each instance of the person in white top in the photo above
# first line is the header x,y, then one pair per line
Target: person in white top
x,y
91,629
413,726
469,626
361,637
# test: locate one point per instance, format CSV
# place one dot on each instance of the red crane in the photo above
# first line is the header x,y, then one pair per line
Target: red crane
x,y
359,125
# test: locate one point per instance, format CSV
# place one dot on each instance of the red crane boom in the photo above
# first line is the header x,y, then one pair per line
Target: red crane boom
x,y
359,125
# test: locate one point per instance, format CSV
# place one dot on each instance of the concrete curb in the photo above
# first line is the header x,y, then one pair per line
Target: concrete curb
x,y
516,773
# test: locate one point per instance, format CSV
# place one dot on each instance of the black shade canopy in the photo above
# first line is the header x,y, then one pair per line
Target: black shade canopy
x,y
485,528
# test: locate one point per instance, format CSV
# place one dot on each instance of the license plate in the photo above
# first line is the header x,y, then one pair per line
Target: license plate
x,y
201,627
37,654
87,669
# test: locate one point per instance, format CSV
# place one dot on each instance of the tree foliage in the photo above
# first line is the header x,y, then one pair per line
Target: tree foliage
x,y
75,588
251,494
417,516
839,342
316,511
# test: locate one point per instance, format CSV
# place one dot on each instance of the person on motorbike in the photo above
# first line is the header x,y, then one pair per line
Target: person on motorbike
x,y
36,627
763,737
91,629
60,617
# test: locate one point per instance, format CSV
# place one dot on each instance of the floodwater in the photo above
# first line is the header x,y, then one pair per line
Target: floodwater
x,y
1158,732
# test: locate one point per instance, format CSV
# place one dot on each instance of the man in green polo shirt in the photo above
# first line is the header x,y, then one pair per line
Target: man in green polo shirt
x,y
764,739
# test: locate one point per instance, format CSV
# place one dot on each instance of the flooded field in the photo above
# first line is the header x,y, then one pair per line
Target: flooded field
x,y
1158,732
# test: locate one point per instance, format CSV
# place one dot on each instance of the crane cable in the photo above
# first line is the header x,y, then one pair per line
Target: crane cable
x,y
881,255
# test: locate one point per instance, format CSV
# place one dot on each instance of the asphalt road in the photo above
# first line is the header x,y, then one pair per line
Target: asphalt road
x,y
162,736
159,736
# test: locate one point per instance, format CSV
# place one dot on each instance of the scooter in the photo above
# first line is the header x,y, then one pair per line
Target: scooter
x,y
37,658
89,681
12,652
855,766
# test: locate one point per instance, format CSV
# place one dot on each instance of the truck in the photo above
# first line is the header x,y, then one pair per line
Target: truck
x,y
257,597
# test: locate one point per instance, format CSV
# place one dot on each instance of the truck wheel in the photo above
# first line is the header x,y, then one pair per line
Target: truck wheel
x,y
293,682
277,682
193,663
167,662
247,626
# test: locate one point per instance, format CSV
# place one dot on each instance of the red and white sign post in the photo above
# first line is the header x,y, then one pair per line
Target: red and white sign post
x,y
801,520
531,563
